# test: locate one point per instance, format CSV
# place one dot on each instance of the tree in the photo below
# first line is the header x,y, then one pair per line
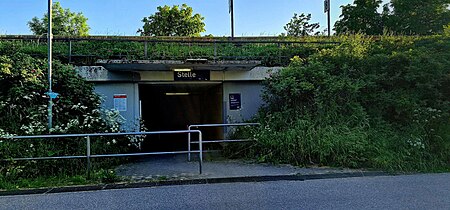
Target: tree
x,y
300,26
419,17
361,17
65,23
173,21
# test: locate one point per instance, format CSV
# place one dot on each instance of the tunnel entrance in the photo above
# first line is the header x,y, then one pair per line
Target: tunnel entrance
x,y
175,106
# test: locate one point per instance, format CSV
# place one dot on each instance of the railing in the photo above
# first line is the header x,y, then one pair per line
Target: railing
x,y
272,51
219,140
88,155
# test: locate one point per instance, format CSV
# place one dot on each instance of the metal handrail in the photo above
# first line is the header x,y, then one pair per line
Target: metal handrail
x,y
216,141
259,40
88,155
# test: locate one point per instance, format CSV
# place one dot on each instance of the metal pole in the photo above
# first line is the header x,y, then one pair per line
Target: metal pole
x,y
88,156
232,18
200,156
49,42
189,144
215,50
70,51
328,18
145,50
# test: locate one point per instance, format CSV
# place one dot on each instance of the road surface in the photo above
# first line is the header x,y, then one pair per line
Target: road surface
x,y
423,191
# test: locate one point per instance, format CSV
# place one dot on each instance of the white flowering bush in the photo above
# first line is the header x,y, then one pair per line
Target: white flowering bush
x,y
23,111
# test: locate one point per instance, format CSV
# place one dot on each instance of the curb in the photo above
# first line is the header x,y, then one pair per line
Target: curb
x,y
296,177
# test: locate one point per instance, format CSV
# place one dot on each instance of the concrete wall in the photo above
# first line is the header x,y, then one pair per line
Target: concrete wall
x,y
107,91
247,83
256,74
250,100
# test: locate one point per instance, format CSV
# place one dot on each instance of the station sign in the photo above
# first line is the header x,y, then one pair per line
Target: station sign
x,y
235,101
191,75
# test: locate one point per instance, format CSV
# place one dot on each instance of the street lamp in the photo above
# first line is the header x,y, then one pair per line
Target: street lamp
x,y
50,93
327,8
231,11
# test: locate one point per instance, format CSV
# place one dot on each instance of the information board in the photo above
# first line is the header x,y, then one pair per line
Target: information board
x,y
120,102
235,101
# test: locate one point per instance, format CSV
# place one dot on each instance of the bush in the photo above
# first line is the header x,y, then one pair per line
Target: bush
x,y
23,111
381,103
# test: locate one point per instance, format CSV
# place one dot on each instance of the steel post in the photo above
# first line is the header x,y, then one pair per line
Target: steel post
x,y
200,154
88,156
49,42
189,144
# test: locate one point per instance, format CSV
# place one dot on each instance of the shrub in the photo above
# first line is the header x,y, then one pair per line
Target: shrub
x,y
381,103
23,111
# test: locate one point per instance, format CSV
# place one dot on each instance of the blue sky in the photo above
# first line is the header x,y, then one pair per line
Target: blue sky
x,y
123,17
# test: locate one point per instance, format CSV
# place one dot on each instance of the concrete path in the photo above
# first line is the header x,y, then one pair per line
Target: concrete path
x,y
176,170
177,167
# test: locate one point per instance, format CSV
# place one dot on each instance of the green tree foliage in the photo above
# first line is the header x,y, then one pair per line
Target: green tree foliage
x,y
65,23
361,17
419,17
173,21
403,17
300,26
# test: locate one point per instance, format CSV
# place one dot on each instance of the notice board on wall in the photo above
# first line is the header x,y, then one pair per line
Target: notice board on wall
x,y
235,101
120,102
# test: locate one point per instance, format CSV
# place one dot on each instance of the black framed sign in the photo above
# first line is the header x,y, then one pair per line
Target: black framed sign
x,y
191,75
235,101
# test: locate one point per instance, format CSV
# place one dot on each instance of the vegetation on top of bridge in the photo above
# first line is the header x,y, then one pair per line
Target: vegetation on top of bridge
x,y
272,51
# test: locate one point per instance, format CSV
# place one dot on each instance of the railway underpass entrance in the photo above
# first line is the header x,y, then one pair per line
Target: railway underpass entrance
x,y
175,106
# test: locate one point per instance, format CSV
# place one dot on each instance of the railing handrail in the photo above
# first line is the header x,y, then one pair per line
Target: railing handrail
x,y
222,125
96,134
256,40
215,125
88,146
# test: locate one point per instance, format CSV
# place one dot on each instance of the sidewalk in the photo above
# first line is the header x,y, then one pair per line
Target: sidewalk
x,y
176,170
176,167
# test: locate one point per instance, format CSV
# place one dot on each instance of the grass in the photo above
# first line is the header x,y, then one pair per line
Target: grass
x,y
97,177
43,182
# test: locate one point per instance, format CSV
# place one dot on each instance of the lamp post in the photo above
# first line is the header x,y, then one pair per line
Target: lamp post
x,y
49,42
231,11
327,9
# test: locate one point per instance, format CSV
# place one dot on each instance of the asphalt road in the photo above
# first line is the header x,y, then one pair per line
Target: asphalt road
x,y
424,191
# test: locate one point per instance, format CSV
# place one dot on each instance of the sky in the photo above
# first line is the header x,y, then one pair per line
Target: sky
x,y
123,17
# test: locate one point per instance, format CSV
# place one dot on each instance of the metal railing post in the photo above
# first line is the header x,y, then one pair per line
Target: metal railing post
x,y
200,155
145,49
70,51
189,144
215,50
88,156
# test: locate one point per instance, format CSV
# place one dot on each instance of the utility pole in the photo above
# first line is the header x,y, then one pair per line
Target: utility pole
x,y
327,9
49,42
231,11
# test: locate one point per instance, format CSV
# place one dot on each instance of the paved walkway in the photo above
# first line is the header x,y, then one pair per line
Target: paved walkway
x,y
177,167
